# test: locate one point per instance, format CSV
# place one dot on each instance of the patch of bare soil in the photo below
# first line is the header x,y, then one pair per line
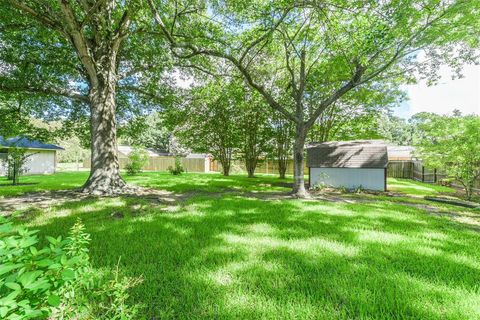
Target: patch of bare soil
x,y
43,200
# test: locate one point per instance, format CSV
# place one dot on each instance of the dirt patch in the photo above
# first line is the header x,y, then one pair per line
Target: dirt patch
x,y
45,199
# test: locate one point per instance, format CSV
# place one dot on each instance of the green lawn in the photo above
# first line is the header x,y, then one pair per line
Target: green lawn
x,y
223,252
415,188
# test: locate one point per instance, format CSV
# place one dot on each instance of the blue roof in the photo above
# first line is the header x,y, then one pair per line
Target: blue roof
x,y
22,142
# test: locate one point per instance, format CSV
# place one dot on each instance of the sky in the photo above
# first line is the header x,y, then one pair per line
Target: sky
x,y
447,95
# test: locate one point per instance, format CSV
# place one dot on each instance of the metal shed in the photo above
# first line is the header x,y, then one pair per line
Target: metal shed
x,y
348,164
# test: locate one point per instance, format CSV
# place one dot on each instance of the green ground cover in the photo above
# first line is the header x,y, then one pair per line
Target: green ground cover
x,y
222,250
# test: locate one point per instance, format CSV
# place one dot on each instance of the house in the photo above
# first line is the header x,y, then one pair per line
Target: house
x,y
43,159
349,164
124,151
401,153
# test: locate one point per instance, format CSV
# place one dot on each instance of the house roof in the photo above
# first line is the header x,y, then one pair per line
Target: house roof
x,y
197,155
23,142
400,152
348,154
126,150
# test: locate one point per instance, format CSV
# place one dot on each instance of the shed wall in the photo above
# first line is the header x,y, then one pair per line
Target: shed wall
x,y
41,162
371,179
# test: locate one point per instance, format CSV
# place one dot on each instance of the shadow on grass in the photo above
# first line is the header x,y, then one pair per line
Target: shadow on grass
x,y
18,184
242,258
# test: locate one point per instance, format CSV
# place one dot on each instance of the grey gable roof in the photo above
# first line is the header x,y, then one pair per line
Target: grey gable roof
x,y
348,154
22,142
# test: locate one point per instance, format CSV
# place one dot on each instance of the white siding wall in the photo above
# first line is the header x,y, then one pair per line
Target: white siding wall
x,y
350,178
41,162
3,172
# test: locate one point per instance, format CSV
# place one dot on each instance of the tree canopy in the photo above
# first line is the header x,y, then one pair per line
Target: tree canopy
x,y
302,57
452,144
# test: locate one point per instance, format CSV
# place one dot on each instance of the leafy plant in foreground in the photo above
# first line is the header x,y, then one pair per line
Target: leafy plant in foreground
x,y
58,280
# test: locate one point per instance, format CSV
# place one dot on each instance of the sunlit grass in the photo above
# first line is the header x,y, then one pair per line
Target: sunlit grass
x,y
416,188
222,254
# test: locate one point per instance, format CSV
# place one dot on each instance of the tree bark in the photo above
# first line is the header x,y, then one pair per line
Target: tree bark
x,y
251,165
282,167
226,168
104,176
298,171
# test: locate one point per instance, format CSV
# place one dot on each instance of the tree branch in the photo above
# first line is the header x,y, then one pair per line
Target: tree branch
x,y
194,51
79,42
45,90
42,18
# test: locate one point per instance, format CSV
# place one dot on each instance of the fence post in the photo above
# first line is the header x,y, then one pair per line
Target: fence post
x,y
435,175
423,173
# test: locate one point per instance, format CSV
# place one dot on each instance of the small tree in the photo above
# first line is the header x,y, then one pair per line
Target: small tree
x,y
178,168
15,163
283,135
254,130
137,159
210,121
452,144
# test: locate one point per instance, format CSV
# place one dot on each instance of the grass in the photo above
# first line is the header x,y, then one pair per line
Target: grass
x,y
230,255
416,188
37,183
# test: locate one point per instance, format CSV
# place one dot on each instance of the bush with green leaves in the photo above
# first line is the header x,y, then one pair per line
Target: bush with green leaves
x,y
58,280
137,159
178,168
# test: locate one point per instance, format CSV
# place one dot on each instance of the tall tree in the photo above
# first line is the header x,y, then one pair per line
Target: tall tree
x,y
357,116
315,52
451,144
283,136
209,121
81,55
255,131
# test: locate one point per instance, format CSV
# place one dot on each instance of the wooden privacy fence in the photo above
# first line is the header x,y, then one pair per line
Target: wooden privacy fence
x,y
413,170
400,169
396,169
162,164
265,166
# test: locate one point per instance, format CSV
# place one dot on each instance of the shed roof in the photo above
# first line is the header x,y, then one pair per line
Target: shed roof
x,y
348,154
22,142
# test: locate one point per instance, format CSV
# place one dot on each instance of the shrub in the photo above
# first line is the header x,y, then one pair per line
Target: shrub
x,y
178,169
57,281
137,159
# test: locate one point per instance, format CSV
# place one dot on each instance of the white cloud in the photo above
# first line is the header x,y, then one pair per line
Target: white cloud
x,y
447,95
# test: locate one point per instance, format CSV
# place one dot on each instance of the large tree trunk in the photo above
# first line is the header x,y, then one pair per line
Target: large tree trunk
x,y
105,171
225,168
298,171
251,165
282,167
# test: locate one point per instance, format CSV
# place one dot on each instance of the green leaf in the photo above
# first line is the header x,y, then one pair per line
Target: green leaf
x,y
7,268
29,277
3,311
68,274
13,286
54,300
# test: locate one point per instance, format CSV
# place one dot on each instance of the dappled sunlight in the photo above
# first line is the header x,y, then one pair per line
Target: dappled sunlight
x,y
381,237
416,188
442,300
311,246
216,253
